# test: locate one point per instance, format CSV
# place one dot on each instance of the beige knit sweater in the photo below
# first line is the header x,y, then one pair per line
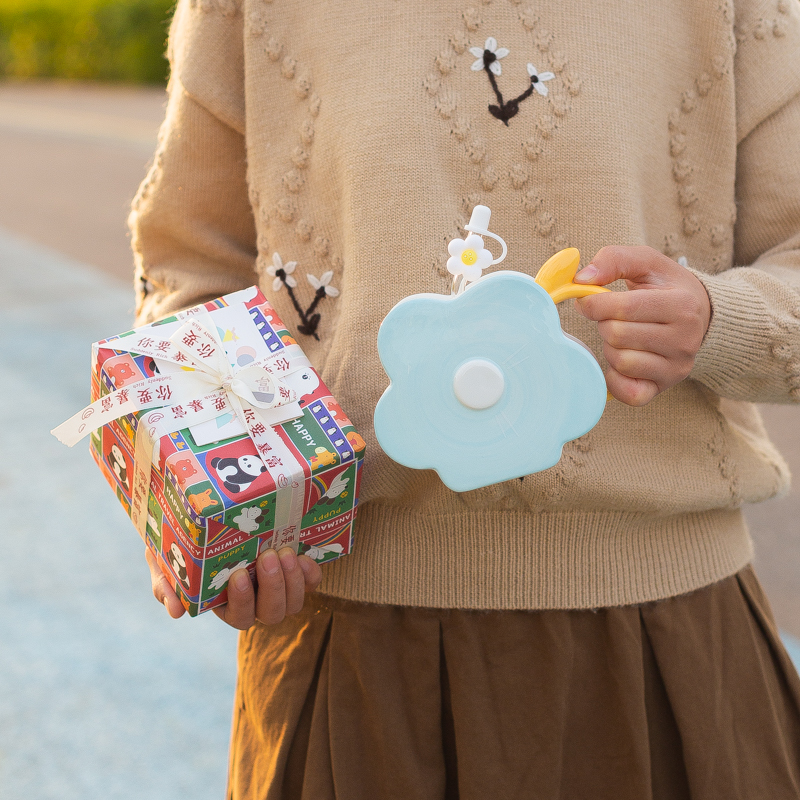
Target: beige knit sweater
x,y
356,137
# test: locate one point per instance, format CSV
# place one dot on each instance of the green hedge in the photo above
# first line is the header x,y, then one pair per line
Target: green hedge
x,y
105,40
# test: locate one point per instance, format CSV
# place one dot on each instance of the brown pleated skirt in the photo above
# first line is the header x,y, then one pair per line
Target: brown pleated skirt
x,y
690,697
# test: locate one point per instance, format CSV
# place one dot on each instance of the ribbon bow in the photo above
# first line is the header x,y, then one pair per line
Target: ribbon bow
x,y
253,385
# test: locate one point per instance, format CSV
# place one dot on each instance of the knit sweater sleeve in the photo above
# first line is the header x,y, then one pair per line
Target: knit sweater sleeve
x,y
752,348
192,228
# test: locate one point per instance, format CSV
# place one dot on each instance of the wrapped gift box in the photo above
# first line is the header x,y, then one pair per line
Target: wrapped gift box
x,y
211,505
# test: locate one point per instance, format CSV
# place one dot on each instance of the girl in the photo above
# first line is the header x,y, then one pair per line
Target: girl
x,y
594,630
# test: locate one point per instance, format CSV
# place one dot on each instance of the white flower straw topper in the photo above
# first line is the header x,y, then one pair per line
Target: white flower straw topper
x,y
468,257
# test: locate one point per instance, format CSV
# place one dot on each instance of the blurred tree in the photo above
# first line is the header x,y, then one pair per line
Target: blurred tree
x,y
106,40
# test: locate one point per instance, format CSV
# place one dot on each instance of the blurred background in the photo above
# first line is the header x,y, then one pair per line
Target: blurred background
x,y
102,694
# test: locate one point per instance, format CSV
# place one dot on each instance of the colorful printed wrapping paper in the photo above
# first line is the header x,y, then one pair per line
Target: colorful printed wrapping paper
x,y
220,493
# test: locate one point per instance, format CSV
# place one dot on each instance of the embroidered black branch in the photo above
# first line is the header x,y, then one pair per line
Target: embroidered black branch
x,y
309,321
504,111
282,276
488,61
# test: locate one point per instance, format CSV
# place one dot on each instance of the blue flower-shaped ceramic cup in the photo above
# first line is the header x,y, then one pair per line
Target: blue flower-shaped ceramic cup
x,y
485,385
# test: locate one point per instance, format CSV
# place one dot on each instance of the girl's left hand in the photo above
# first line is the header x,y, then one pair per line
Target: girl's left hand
x,y
651,334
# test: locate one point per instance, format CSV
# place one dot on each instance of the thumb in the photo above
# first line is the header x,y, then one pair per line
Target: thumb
x,y
162,590
637,265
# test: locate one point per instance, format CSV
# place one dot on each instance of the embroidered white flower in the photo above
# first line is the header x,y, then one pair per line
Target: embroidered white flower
x,y
288,269
324,280
538,78
468,257
489,54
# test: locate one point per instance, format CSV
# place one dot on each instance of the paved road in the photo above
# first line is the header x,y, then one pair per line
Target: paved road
x,y
83,712
103,696
70,161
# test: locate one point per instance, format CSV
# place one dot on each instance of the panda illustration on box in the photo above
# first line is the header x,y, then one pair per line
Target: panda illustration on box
x,y
236,474
178,564
117,462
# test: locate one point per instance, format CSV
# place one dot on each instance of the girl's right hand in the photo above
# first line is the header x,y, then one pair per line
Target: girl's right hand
x,y
282,578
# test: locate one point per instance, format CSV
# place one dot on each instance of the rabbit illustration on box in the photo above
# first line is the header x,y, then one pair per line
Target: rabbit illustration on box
x,y
485,385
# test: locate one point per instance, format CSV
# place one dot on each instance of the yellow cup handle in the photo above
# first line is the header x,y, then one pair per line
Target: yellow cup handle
x,y
557,273
575,290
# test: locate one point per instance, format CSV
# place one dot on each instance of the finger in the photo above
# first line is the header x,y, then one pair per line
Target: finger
x,y
679,350
311,572
632,391
639,265
271,600
162,589
639,364
293,580
650,336
631,306
240,610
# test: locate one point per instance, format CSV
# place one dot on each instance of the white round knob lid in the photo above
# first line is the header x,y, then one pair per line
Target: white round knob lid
x,y
478,384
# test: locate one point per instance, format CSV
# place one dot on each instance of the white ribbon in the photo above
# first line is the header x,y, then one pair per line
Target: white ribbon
x,y
207,389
